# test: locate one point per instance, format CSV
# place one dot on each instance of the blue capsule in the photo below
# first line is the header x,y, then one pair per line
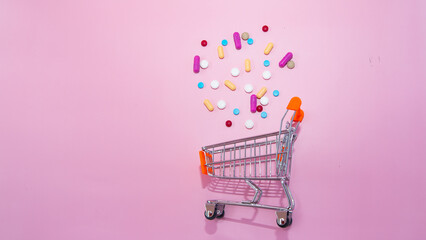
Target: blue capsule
x,y
200,85
224,42
236,111
250,41
263,114
266,63
276,93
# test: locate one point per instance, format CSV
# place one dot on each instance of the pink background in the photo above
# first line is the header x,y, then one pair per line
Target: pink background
x,y
101,119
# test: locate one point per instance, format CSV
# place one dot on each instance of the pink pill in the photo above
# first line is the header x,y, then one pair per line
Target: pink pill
x,y
197,64
253,103
285,59
237,40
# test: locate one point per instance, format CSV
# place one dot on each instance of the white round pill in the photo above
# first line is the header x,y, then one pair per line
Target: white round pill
x,y
264,100
248,88
267,75
235,72
214,84
249,124
221,104
204,64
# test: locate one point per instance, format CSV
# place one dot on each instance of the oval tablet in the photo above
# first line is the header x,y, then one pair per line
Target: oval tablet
x,y
268,48
235,72
204,64
250,41
266,75
245,36
220,52
261,92
249,124
247,65
290,64
208,105
264,100
221,104
248,88
230,85
214,84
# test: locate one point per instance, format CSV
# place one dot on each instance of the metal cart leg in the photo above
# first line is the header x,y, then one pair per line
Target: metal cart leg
x,y
258,192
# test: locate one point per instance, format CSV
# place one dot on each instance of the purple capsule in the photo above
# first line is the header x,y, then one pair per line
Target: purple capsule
x,y
196,64
237,40
285,59
253,103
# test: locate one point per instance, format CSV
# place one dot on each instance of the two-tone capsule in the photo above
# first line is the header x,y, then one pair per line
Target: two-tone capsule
x,y
261,92
268,48
208,105
247,65
220,52
230,85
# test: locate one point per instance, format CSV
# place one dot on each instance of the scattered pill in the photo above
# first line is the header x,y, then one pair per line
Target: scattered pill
x,y
204,43
265,28
235,72
285,59
221,104
230,85
264,100
237,40
247,65
196,64
268,48
249,124
266,75
261,92
220,52
266,63
245,36
236,111
263,114
204,64
253,103
228,123
250,41
276,93
214,84
208,105
200,85
224,42
248,88
290,64
259,108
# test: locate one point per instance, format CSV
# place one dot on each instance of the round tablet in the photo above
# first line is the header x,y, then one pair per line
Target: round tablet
x,y
200,85
263,114
236,111
245,36
266,63
204,64
221,104
228,123
266,75
224,42
250,41
290,64
249,124
248,88
214,84
259,108
265,28
204,43
235,72
264,100
276,93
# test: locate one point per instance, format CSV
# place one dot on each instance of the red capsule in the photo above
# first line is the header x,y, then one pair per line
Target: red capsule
x,y
228,123
204,43
265,28
259,108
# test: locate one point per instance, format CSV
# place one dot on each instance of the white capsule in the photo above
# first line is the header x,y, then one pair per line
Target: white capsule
x,y
214,84
267,75
264,100
248,88
221,104
204,64
235,72
249,124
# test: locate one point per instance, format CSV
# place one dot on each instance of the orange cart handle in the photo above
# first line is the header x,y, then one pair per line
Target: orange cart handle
x,y
299,116
294,104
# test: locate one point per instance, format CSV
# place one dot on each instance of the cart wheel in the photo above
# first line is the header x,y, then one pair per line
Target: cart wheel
x,y
221,214
287,223
210,215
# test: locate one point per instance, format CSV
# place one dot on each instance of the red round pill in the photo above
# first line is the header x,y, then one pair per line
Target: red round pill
x,y
204,43
228,123
259,108
265,28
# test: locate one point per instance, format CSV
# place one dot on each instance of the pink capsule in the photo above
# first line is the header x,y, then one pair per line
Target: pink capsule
x,y
253,103
285,59
237,40
197,64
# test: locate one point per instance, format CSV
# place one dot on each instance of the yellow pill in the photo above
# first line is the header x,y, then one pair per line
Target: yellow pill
x,y
208,105
247,65
220,52
262,92
268,48
230,85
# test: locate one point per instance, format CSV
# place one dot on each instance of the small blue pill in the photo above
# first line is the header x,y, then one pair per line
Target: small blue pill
x,y
266,63
224,42
250,41
200,85
236,111
263,114
276,93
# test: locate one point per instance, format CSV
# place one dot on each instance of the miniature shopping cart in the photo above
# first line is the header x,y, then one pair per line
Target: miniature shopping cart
x,y
263,157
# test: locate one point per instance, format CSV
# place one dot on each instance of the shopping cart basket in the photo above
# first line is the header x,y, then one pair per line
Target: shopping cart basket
x,y
263,157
